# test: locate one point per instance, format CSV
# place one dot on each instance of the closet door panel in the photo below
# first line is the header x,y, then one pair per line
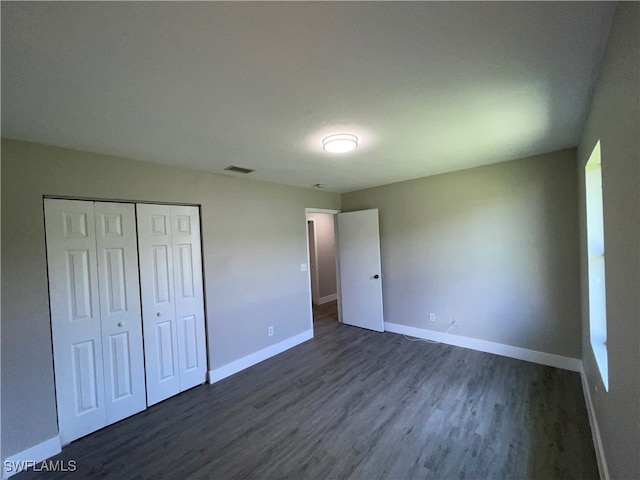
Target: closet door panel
x,y
158,303
189,299
75,317
117,253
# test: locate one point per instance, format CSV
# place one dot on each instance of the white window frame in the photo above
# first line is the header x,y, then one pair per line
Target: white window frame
x,y
596,263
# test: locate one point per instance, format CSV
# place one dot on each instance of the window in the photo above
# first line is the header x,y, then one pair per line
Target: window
x,y
595,248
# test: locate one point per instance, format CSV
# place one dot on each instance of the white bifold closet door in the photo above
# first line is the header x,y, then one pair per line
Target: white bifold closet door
x,y
95,314
172,299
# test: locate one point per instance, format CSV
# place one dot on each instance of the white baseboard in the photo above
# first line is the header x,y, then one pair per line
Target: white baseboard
x,y
327,299
257,357
566,363
595,429
16,463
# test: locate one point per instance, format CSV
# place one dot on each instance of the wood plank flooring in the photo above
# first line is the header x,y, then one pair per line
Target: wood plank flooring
x,y
355,404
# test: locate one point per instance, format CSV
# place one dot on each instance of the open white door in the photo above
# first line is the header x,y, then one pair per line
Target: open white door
x,y
359,263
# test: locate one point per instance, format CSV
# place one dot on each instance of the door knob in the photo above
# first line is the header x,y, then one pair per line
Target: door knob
x,y
376,276
121,324
159,314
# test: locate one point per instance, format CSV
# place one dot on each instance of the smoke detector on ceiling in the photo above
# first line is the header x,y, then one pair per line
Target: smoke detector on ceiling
x,y
234,168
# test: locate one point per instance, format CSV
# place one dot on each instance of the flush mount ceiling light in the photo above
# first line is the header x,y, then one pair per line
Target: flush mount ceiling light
x,y
340,143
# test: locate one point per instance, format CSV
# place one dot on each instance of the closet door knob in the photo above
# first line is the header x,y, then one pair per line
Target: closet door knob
x,y
159,314
121,324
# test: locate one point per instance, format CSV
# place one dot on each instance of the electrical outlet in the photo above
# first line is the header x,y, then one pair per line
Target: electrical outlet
x,y
270,330
432,317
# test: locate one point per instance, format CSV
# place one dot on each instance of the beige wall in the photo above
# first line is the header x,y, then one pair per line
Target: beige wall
x,y
494,247
614,119
251,231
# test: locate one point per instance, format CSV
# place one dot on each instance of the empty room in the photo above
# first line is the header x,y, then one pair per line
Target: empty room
x,y
320,240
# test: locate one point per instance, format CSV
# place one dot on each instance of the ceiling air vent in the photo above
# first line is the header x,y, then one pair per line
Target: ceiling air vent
x,y
233,168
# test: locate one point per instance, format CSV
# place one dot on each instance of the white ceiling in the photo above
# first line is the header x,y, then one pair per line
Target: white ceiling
x,y
428,87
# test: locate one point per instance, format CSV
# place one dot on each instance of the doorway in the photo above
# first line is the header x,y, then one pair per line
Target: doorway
x,y
322,247
358,275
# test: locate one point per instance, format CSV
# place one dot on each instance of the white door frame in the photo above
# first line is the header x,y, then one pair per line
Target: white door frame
x,y
307,211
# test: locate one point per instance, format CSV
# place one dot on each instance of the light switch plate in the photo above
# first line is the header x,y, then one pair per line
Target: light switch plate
x,y
303,267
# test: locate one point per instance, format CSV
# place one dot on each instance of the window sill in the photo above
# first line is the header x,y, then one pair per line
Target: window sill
x,y
600,353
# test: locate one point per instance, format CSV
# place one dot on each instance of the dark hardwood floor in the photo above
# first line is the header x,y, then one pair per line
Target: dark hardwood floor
x,y
355,404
